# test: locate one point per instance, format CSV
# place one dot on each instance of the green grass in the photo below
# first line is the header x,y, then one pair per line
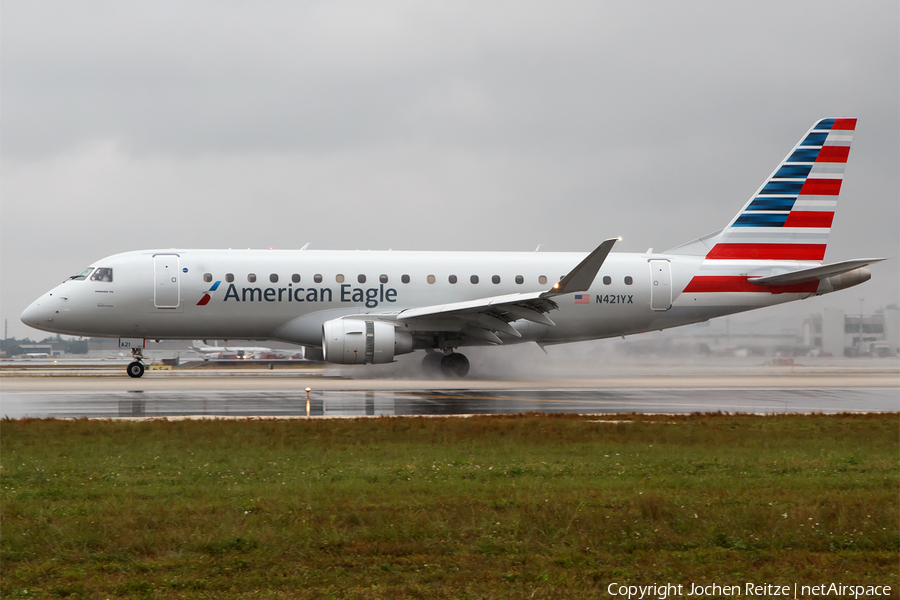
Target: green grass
x,y
510,506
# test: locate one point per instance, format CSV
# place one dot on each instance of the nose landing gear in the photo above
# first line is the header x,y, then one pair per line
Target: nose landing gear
x,y
135,369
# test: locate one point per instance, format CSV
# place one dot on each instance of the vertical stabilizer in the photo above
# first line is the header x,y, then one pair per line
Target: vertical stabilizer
x,y
789,217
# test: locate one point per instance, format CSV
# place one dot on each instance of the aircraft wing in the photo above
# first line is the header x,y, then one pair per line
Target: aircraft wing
x,y
485,317
814,273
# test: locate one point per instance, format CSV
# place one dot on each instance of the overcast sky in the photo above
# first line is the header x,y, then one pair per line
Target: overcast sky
x,y
429,126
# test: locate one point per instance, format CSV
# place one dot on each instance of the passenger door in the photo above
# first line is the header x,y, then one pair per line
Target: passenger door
x,y
660,285
167,281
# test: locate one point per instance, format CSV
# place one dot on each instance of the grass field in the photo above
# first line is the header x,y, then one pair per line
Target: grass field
x,y
527,506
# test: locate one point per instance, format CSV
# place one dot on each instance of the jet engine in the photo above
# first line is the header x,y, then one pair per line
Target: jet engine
x,y
360,342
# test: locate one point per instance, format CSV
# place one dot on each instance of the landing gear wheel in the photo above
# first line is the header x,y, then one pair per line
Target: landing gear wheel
x,y
431,364
135,369
455,365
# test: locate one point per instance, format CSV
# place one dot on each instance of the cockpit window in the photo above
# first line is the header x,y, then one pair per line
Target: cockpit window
x,y
102,274
83,275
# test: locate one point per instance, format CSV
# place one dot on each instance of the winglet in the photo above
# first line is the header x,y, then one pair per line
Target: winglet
x,y
581,277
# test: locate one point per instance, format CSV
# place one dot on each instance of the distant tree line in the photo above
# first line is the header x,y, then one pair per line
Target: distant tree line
x,y
13,346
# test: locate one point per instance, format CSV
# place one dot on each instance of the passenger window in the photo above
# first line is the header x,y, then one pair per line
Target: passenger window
x,y
339,278
383,279
83,275
452,279
607,280
474,278
361,279
251,277
542,279
404,278
317,278
273,278
295,278
519,279
430,279
229,277
629,280
495,279
102,274
207,277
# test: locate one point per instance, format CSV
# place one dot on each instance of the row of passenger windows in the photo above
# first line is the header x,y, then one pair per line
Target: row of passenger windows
x,y
295,278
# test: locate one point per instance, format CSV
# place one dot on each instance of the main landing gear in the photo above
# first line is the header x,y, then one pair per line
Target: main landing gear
x,y
135,369
453,365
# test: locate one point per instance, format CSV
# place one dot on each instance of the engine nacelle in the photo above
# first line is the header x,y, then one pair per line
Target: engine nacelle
x,y
359,342
844,280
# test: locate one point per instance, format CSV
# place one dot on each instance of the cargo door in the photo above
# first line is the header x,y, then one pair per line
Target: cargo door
x,y
167,281
660,285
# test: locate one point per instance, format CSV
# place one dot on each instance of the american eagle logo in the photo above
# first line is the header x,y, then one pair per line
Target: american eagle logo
x,y
206,297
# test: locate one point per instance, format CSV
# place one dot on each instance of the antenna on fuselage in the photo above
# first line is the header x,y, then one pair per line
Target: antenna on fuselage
x,y
306,245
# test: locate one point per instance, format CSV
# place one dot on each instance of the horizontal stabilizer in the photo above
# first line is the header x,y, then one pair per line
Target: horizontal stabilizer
x,y
815,273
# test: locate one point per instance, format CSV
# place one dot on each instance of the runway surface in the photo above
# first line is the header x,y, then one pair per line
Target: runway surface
x,y
352,403
105,393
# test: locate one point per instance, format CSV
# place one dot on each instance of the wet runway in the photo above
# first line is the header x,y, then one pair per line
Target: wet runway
x,y
354,403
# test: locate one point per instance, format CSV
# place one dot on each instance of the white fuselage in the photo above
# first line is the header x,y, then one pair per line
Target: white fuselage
x,y
368,307
159,294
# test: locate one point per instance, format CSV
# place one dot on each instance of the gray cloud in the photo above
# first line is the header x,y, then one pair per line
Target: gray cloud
x,y
353,125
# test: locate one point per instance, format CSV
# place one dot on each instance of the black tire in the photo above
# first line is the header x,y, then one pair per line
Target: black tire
x,y
431,364
135,369
455,366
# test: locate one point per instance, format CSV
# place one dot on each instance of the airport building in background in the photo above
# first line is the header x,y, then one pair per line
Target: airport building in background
x,y
835,333
830,333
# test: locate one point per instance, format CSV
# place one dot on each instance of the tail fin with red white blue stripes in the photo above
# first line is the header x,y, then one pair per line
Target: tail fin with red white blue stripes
x,y
789,217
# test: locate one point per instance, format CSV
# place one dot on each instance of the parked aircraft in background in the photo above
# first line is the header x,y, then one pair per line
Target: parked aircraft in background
x,y
368,307
244,352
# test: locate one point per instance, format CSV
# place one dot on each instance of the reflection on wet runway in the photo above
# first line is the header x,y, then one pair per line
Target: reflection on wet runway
x,y
336,403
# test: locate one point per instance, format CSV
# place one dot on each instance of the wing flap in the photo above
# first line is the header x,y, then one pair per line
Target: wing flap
x,y
535,316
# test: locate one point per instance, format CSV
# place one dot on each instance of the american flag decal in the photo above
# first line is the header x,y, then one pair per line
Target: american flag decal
x,y
582,298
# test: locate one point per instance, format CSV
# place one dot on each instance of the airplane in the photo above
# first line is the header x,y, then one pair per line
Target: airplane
x,y
218,351
367,307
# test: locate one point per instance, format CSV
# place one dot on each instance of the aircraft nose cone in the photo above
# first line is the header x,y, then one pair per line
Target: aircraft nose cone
x,y
35,315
